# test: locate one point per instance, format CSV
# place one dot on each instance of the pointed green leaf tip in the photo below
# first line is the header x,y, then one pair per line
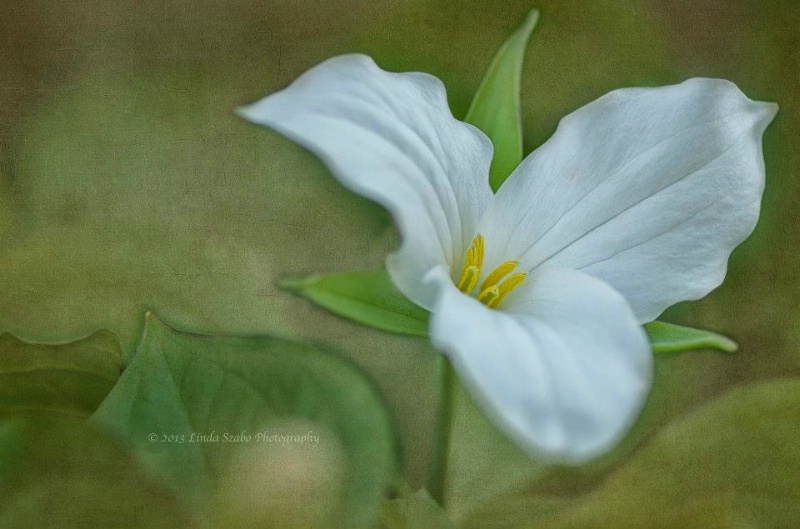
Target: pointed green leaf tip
x,y
369,298
496,107
670,338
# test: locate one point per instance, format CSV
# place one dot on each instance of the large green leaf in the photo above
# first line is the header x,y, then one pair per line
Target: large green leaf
x,y
670,338
210,414
71,378
366,297
731,464
71,476
495,108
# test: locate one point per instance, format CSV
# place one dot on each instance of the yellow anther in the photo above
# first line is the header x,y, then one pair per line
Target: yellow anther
x,y
468,279
477,242
498,273
507,286
488,296
473,260
474,256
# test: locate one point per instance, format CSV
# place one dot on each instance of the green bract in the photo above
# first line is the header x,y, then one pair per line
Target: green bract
x,y
496,109
366,297
670,338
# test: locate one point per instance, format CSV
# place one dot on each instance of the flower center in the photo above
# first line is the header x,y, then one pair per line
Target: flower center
x,y
496,285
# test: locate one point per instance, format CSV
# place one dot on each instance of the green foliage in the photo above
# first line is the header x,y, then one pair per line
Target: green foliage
x,y
414,511
255,422
366,297
496,107
71,378
10,433
721,467
671,338
70,476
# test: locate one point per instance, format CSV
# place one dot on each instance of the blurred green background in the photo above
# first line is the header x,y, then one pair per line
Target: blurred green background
x,y
128,184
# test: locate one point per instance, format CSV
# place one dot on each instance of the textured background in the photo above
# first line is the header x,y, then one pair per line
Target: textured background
x,y
128,184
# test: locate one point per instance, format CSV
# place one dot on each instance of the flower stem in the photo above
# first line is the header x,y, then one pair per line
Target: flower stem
x,y
437,481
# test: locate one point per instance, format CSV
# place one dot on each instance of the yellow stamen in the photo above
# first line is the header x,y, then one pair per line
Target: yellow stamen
x,y
492,290
473,260
478,243
468,279
498,273
489,295
507,286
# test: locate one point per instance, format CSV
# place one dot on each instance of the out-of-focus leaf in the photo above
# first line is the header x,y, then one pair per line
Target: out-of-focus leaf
x,y
278,423
414,511
495,108
10,433
366,297
71,476
71,378
732,464
671,338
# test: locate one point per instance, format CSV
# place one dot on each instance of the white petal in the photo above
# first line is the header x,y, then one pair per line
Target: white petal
x,y
391,138
563,367
647,189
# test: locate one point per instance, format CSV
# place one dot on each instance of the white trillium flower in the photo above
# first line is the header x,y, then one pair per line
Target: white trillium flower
x,y
538,292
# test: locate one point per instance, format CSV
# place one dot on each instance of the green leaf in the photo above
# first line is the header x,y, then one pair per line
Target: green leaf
x,y
69,475
262,421
369,298
71,378
414,511
671,338
495,109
